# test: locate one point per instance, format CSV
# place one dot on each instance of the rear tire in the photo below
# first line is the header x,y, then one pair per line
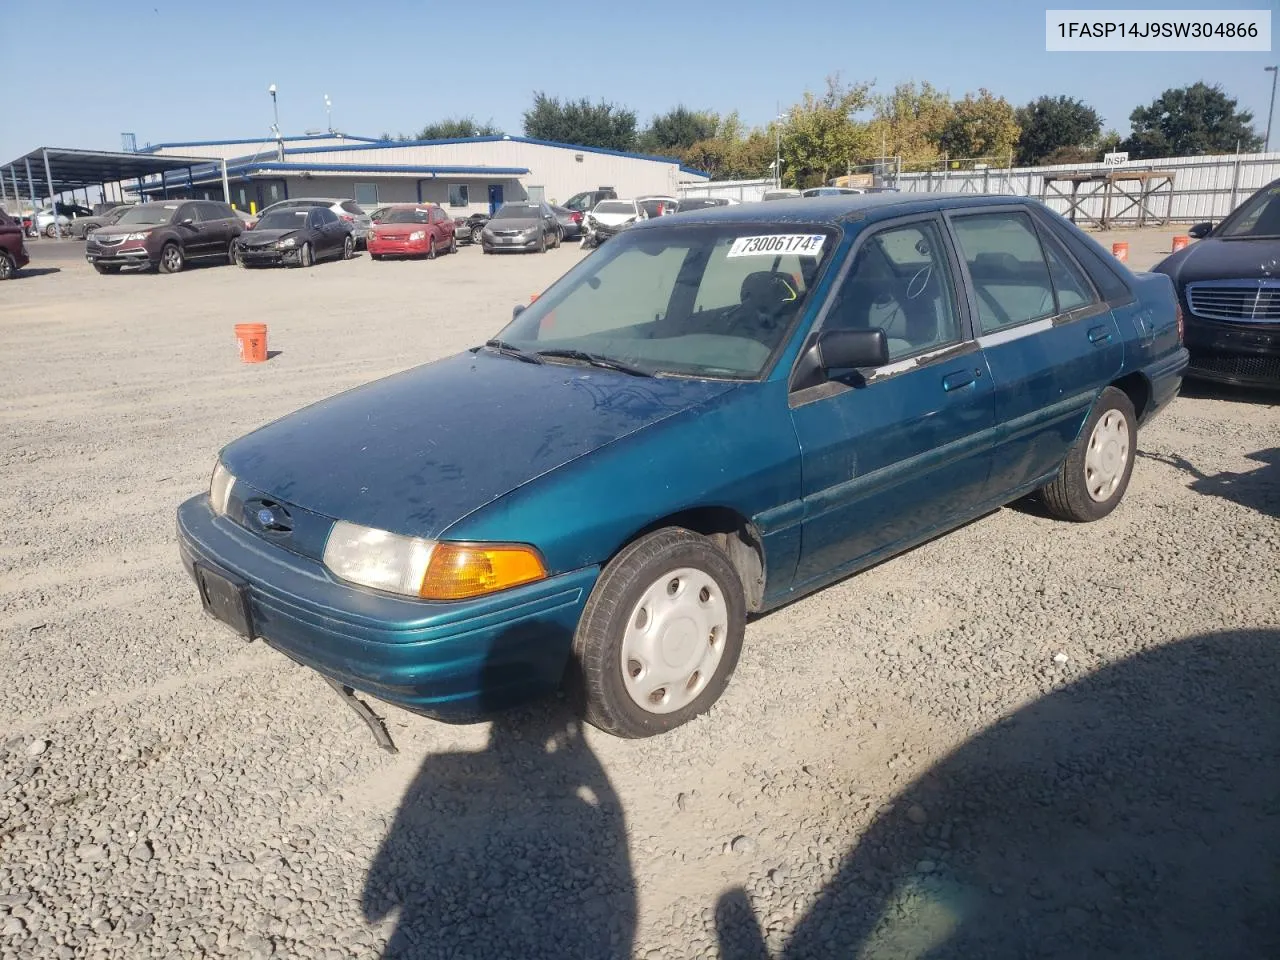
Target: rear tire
x,y
1095,475
684,589
171,259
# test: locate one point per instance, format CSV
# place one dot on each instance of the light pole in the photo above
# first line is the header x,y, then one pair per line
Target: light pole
x,y
1274,73
777,148
275,127
328,111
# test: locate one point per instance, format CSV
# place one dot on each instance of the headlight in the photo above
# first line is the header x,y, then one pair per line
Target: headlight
x,y
415,567
418,235
286,244
136,236
220,485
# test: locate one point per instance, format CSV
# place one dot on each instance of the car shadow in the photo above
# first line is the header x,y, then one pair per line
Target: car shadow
x,y
1211,390
1257,489
272,354
1132,814
28,273
515,850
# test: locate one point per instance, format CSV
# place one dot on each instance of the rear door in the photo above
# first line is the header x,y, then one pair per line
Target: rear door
x,y
1050,340
894,454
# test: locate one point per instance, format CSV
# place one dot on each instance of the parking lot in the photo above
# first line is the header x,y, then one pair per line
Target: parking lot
x,y
167,790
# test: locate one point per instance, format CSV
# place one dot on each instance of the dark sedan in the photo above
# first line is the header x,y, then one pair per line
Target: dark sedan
x,y
1229,287
521,227
297,237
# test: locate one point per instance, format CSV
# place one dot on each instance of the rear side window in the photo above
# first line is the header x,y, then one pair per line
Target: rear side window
x,y
1069,282
1102,269
1007,265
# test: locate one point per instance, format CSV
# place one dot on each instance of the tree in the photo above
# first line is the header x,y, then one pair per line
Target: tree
x,y
1192,120
457,128
1055,126
909,122
820,137
729,156
581,122
677,130
982,126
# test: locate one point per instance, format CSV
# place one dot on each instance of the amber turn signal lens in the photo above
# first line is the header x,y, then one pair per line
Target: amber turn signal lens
x,y
458,570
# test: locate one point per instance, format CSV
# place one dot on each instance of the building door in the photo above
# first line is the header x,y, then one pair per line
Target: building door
x,y
495,198
271,191
537,194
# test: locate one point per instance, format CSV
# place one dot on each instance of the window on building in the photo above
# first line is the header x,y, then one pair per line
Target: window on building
x,y
366,194
537,194
459,196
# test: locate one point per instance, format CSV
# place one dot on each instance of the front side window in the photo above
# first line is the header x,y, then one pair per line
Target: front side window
x,y
366,194
703,300
459,195
900,282
1007,265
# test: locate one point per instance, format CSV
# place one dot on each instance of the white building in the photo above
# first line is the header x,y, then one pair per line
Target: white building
x,y
475,174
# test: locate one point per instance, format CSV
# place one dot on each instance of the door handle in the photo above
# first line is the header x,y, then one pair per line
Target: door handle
x,y
961,378
1099,334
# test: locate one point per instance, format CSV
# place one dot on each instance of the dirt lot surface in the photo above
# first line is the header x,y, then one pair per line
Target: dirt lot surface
x,y
1026,738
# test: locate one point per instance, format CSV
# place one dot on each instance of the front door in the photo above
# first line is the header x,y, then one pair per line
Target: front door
x,y
1051,341
495,198
197,236
894,454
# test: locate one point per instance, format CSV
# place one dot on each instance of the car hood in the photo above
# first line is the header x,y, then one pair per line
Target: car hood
x,y
116,229
514,223
263,238
418,451
1212,259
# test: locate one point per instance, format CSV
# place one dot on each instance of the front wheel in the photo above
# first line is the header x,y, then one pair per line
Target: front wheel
x,y
7,268
660,635
51,231
431,248
453,243
348,248
305,257
1093,478
171,258
233,254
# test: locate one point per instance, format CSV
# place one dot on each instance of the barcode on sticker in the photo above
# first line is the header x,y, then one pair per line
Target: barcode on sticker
x,y
801,244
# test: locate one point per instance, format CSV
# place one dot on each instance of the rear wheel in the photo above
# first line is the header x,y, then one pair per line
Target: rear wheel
x,y
105,268
1093,478
171,259
660,635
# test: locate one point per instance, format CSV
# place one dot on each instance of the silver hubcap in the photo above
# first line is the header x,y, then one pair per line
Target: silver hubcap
x,y
674,640
1107,456
172,258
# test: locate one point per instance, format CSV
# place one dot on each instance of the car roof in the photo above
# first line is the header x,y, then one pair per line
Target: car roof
x,y
836,210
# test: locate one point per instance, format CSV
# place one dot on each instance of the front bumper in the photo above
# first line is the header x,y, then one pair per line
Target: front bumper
x,y
1243,354
397,248
114,256
267,256
514,244
453,661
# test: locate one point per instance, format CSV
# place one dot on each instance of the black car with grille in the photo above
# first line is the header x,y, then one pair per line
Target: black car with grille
x,y
1229,287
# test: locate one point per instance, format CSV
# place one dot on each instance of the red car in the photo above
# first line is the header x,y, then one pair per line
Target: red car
x,y
412,230
13,247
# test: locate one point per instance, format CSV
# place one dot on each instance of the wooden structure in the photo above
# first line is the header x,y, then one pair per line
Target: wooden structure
x,y
1120,192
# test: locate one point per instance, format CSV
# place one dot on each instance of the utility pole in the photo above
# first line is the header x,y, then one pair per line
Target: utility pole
x,y
328,110
777,153
1272,109
275,127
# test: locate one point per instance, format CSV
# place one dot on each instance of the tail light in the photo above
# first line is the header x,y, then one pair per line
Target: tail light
x,y
347,217
576,216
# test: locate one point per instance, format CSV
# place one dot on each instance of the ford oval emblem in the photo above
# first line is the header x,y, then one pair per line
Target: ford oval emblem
x,y
266,517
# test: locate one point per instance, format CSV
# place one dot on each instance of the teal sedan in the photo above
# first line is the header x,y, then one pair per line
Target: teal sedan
x,y
705,419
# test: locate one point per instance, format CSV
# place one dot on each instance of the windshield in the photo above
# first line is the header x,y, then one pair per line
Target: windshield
x,y
283,220
407,216
709,300
1259,216
614,206
516,211
149,213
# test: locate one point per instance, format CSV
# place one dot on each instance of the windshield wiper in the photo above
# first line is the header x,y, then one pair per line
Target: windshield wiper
x,y
596,360
510,350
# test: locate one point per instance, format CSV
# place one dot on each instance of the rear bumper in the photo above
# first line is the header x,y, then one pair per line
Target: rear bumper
x,y
1165,377
1240,354
452,661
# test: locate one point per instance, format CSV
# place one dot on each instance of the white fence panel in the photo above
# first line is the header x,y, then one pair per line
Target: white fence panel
x,y
744,191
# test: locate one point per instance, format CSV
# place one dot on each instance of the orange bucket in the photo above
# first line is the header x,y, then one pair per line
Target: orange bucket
x,y
1179,242
252,341
1120,250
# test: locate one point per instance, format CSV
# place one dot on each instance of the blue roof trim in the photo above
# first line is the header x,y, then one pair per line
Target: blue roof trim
x,y
212,174
388,144
152,148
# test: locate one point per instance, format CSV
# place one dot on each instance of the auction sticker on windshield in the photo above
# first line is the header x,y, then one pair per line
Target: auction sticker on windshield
x,y
804,245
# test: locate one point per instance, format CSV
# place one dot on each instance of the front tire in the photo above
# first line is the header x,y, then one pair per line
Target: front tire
x,y
7,268
51,231
431,248
348,248
453,243
660,635
305,257
1093,478
233,254
171,259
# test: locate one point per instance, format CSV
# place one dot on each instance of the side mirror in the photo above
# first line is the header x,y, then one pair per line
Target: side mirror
x,y
847,349
188,222
1200,230
517,310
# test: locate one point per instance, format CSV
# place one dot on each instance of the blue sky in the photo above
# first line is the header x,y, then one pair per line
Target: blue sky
x,y
180,70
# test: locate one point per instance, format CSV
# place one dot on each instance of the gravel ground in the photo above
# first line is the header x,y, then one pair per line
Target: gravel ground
x,y
1022,739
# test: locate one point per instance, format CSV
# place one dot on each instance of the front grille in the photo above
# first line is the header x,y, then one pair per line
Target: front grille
x,y
1260,368
506,233
108,241
1239,302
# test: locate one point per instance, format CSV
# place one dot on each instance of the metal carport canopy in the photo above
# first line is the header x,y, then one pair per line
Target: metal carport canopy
x,y
59,170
